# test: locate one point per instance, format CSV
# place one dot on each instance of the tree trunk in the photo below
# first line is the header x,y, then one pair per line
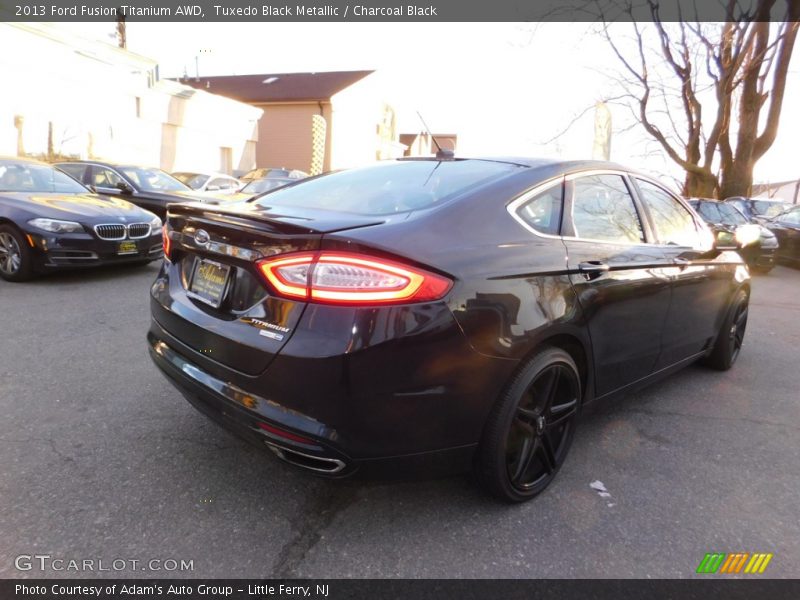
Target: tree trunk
x,y
699,186
738,181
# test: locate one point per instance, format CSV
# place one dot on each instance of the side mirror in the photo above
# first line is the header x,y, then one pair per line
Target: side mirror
x,y
124,188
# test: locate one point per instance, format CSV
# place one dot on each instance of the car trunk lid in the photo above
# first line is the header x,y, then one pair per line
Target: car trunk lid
x,y
217,302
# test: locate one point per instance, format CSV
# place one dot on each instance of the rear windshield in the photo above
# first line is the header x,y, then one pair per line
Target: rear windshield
x,y
193,180
391,187
20,176
153,180
731,215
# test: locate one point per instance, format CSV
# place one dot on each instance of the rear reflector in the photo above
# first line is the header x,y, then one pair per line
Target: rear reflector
x,y
345,278
285,434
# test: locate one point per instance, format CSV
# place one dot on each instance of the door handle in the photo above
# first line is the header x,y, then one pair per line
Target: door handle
x,y
593,268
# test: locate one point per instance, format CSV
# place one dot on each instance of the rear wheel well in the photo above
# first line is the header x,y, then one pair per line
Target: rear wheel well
x,y
575,349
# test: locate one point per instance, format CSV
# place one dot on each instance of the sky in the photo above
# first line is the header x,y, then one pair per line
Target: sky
x,y
504,88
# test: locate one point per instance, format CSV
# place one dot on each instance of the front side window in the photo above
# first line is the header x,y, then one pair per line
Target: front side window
x,y
603,209
105,178
673,223
543,211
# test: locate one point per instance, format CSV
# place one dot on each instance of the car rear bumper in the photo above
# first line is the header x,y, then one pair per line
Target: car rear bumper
x,y
334,441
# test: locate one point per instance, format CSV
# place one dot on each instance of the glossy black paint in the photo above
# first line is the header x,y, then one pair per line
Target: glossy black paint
x,y
151,200
52,251
786,228
413,384
759,254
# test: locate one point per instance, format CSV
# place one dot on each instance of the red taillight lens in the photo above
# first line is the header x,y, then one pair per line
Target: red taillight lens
x,y
166,242
344,278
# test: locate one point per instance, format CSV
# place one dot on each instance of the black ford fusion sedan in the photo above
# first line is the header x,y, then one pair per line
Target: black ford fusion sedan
x,y
50,221
439,315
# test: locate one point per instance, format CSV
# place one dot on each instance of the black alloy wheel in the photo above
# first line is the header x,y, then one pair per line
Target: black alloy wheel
x,y
529,433
731,335
14,255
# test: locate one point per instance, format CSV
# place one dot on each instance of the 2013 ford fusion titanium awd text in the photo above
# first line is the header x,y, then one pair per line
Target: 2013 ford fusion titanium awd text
x,y
439,315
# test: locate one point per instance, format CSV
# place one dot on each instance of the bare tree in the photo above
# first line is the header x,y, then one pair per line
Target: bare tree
x,y
709,94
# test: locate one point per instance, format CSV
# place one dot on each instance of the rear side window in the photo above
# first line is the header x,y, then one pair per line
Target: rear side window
x,y
603,209
392,187
543,211
673,223
74,171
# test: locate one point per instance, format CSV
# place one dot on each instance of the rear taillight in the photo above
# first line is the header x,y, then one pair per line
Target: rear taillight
x,y
345,278
166,242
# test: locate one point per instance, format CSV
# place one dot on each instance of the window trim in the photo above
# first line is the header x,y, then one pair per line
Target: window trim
x,y
515,205
696,218
633,190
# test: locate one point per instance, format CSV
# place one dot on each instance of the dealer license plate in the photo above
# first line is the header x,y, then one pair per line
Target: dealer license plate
x,y
209,282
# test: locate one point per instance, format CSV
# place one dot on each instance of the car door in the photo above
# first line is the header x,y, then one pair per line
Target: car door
x,y
105,180
618,277
700,285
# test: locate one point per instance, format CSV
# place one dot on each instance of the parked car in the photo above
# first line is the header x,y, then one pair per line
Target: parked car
x,y
756,244
212,183
758,210
271,172
259,186
786,227
50,221
147,187
439,314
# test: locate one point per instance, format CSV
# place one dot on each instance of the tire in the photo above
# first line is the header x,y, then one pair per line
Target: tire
x,y
526,441
16,262
731,334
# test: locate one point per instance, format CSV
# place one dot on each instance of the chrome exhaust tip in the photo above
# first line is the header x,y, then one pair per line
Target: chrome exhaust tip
x,y
307,461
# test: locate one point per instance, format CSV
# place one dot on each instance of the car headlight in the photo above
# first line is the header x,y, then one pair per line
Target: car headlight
x,y
155,224
56,226
748,234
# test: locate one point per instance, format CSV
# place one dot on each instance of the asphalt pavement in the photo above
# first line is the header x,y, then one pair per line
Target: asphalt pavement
x,y
103,460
